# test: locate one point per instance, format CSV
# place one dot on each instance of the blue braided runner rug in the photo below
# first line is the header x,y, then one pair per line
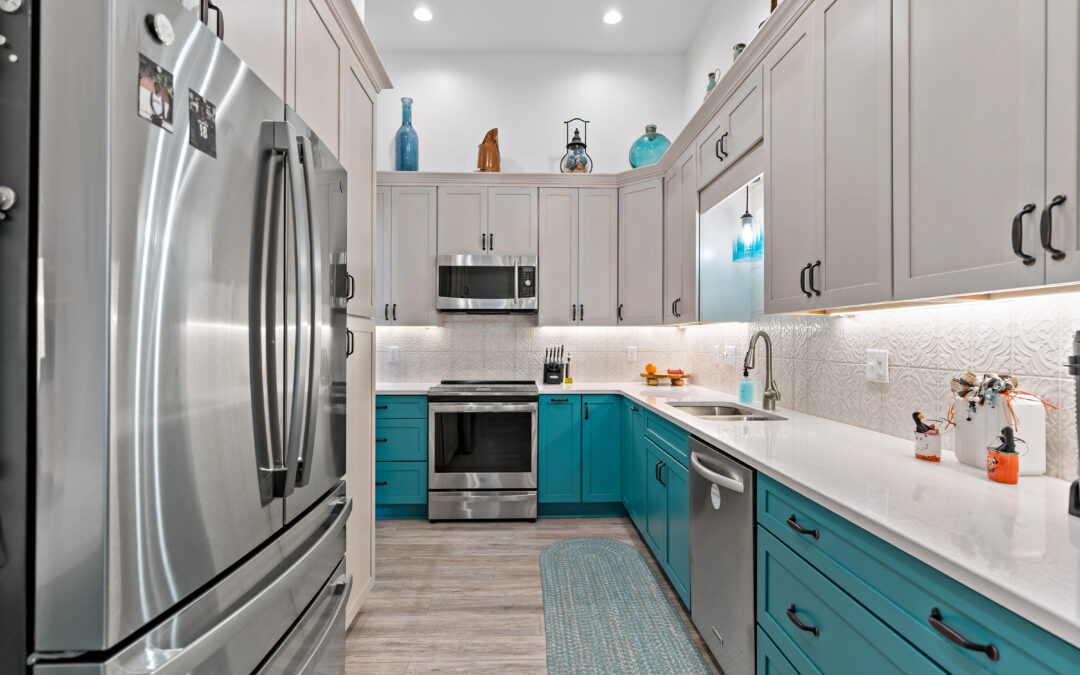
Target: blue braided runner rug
x,y
604,612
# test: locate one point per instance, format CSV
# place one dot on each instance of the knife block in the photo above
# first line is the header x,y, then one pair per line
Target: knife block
x,y
553,373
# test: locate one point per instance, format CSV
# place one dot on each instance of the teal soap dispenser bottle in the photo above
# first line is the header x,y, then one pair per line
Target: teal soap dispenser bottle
x,y
746,388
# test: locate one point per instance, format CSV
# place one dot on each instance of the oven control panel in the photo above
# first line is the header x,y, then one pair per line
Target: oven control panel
x,y
527,282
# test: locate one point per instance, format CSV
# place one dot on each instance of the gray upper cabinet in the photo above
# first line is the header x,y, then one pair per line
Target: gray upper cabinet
x,y
578,273
1061,223
969,154
681,241
641,242
408,251
483,220
735,129
383,256
828,174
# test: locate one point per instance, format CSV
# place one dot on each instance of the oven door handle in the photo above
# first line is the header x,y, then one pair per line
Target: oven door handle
x,y
486,407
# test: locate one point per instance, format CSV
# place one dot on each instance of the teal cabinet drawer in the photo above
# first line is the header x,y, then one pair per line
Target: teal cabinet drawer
x,y
673,439
401,482
558,449
770,660
601,448
904,591
401,407
401,440
818,627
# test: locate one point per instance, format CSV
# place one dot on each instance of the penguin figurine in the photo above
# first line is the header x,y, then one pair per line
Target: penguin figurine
x,y
920,426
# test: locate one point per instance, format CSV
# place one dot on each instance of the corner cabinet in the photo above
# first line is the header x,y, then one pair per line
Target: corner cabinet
x,y
681,242
579,239
405,240
641,245
828,170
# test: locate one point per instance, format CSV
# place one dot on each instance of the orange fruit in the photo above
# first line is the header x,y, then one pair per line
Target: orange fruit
x,y
650,369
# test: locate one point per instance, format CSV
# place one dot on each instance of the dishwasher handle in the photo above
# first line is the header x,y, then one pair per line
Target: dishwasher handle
x,y
733,484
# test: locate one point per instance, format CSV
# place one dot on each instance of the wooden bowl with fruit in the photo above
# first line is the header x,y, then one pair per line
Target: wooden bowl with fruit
x,y
676,376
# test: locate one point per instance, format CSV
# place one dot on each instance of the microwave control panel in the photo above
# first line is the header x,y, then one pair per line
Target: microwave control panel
x,y
527,282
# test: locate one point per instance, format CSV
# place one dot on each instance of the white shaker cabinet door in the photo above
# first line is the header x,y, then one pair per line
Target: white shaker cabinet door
x,y
358,158
513,220
854,154
1061,204
384,256
558,273
674,187
463,218
319,44
969,123
788,77
412,272
360,460
641,246
597,256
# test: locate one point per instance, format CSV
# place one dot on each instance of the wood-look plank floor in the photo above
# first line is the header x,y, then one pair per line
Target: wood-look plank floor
x,y
466,597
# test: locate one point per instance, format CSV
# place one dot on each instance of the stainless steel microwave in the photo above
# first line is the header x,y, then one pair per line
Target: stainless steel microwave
x,y
487,283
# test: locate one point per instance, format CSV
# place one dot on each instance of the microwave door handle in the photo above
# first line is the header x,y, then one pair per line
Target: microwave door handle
x,y
315,294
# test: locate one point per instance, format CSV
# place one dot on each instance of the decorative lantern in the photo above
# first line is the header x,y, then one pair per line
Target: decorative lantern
x,y
576,160
749,242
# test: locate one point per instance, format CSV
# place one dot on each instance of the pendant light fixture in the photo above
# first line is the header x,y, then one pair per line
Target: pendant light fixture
x,y
749,243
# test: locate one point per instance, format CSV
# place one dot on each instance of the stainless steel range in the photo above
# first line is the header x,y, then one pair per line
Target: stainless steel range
x,y
482,450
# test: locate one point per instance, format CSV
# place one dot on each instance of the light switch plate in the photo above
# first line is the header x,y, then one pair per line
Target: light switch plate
x,y
394,355
631,353
730,357
716,353
877,365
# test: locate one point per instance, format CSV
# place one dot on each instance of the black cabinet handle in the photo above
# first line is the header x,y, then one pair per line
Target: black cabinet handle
x,y
581,312
394,311
656,472
386,312
800,529
799,624
483,242
574,310
586,410
619,312
802,279
721,149
380,440
678,301
660,473
559,400
381,407
952,636
350,286
381,483
812,268
1046,229
491,241
1018,234
350,342
635,409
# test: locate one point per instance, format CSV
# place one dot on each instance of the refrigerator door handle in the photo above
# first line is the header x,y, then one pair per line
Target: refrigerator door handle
x,y
286,141
314,297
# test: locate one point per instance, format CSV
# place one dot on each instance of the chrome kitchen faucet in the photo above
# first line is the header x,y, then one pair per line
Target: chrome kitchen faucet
x,y
770,396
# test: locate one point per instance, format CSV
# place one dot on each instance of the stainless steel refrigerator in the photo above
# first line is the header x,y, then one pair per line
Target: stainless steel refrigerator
x,y
173,361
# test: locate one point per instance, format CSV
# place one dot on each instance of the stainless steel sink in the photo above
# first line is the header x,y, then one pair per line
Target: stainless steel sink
x,y
725,412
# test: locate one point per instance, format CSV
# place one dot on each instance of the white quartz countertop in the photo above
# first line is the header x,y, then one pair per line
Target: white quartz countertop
x,y
1015,544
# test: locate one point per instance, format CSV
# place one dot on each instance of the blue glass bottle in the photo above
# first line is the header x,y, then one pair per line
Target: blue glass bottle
x,y
649,148
408,144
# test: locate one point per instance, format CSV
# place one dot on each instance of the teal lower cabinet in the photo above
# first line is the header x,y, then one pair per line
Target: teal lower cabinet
x,y
847,581
770,660
401,452
817,626
558,440
601,448
667,517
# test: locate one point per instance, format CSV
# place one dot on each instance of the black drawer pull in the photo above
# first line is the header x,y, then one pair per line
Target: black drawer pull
x,y
799,624
660,472
937,624
1018,235
377,484
1046,229
800,529
802,279
381,407
560,400
380,440
635,409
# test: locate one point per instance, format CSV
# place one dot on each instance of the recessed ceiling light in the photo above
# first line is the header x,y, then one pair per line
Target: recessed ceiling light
x,y
612,17
422,14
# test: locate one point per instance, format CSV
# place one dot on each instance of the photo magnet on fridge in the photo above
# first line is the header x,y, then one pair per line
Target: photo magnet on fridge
x,y
202,129
155,94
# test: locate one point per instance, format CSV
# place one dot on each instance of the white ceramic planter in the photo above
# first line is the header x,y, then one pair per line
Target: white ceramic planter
x,y
973,437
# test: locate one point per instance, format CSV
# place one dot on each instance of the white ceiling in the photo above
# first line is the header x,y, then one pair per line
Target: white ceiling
x,y
648,27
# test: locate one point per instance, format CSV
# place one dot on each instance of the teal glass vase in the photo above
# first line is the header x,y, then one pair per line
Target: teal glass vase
x,y
408,144
649,148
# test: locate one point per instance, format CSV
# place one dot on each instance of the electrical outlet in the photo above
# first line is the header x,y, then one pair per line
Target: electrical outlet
x,y
877,365
730,357
394,355
716,353
631,353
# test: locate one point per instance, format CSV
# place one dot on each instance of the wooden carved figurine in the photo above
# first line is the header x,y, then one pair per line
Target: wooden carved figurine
x,y
488,159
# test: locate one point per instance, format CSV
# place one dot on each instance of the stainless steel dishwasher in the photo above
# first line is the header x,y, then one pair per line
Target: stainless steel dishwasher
x,y
722,556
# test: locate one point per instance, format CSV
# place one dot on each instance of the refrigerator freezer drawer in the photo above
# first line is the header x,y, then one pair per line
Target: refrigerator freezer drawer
x,y
317,645
231,627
